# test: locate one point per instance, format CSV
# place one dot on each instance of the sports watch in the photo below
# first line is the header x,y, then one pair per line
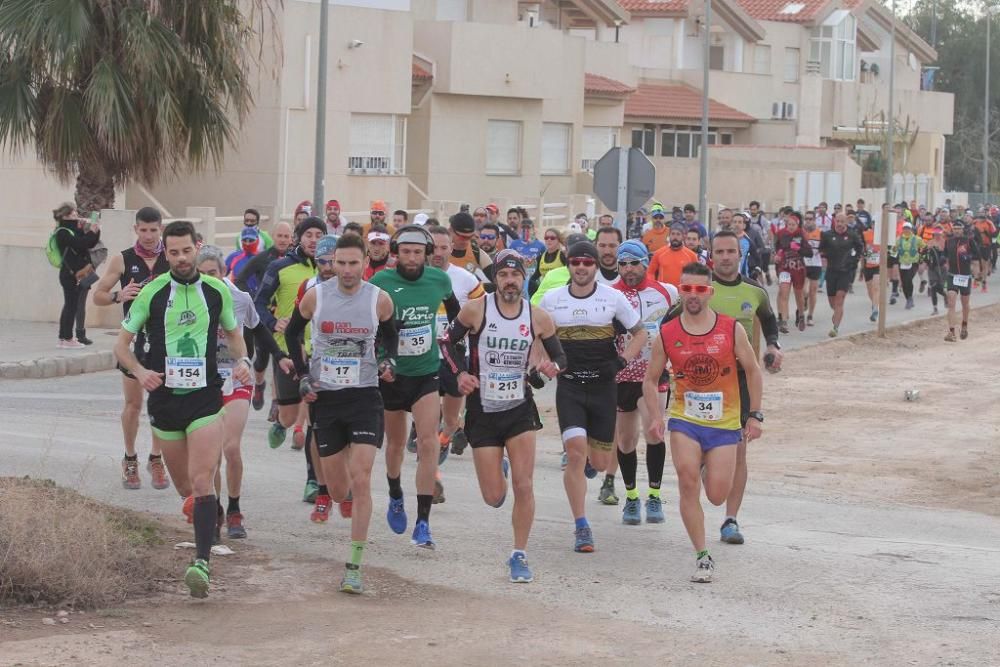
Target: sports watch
x,y
756,414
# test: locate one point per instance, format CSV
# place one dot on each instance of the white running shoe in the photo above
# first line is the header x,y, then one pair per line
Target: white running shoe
x,y
704,570
71,344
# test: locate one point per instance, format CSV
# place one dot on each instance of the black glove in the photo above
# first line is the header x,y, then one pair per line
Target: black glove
x,y
620,361
535,379
387,364
306,386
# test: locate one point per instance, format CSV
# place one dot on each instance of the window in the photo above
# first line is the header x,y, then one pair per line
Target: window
x,y
716,57
377,144
645,138
833,45
596,142
685,140
557,146
791,65
503,148
761,59
683,144
668,143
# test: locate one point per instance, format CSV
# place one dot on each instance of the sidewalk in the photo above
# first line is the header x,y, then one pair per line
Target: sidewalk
x,y
28,350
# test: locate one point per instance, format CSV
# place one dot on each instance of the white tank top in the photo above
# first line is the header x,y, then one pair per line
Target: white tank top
x,y
343,337
500,354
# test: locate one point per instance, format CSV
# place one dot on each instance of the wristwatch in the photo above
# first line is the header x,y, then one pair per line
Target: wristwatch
x,y
247,361
756,414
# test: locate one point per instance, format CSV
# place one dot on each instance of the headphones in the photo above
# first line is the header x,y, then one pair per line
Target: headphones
x,y
412,229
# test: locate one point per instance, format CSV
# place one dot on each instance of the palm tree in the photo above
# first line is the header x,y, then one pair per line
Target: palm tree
x,y
108,91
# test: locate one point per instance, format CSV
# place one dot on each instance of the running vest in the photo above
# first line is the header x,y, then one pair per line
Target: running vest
x,y
135,268
545,264
707,389
343,337
500,356
246,317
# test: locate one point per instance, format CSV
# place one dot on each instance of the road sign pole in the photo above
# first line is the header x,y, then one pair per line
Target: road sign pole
x,y
621,213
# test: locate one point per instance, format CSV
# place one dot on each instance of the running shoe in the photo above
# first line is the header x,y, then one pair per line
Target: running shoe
x,y
783,326
422,535
935,312
311,491
893,299
800,322
950,338
196,578
632,515
564,461
584,541
833,332
964,332
607,494
809,320
321,511
589,470
923,286
130,474
298,437
347,507
351,583
187,509
443,440
704,570
411,441
234,526
874,316
909,303
520,573
396,515
276,436
654,510
158,472
272,414
258,396
459,441
438,493
505,467
730,532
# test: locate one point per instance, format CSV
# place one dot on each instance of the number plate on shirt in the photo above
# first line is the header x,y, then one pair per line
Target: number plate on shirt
x,y
415,341
706,406
340,371
227,380
503,386
186,372
960,281
784,277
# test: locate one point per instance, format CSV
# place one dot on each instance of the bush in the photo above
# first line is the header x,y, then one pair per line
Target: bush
x,y
59,547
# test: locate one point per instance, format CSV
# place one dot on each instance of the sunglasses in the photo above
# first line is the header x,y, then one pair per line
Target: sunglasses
x,y
487,237
380,214
324,262
634,262
582,261
695,289
249,222
551,238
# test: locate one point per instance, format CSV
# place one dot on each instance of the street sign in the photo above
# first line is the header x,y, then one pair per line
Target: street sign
x,y
640,179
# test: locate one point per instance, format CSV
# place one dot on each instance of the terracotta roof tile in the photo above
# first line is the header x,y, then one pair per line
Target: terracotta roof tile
x,y
602,85
651,6
420,74
789,11
677,100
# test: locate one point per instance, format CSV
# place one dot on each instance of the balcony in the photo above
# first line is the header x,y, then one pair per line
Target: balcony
x,y
848,104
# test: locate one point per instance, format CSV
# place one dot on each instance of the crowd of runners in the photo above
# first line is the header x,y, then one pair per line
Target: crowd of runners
x,y
429,336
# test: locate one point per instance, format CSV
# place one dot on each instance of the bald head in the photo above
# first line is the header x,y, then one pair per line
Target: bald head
x,y
282,236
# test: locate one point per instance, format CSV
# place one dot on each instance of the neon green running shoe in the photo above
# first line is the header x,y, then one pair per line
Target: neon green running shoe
x,y
351,583
196,578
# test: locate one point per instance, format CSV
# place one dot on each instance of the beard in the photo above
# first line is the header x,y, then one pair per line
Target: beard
x,y
693,306
675,244
510,294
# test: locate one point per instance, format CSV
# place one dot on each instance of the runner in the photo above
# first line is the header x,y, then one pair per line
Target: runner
x,y
839,247
182,312
659,234
236,395
961,247
759,222
556,277
607,241
585,313
704,348
666,263
651,300
416,291
934,259
984,228
501,411
790,249
131,269
693,243
334,220
378,251
814,264
908,247
251,220
489,236
552,259
341,383
871,271
528,246
464,254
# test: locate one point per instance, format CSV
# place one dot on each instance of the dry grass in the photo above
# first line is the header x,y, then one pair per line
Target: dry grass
x,y
58,547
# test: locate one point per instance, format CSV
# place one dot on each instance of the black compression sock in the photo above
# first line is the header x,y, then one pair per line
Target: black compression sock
x,y
134,457
656,456
310,469
395,490
234,505
152,457
205,517
323,491
628,464
895,286
424,507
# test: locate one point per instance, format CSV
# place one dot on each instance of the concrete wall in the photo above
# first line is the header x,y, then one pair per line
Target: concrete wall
x,y
29,192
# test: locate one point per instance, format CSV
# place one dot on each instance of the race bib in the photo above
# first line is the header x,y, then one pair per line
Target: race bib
x,y
652,329
960,281
415,341
503,386
874,257
340,371
186,372
815,260
227,380
905,267
784,277
706,406
442,324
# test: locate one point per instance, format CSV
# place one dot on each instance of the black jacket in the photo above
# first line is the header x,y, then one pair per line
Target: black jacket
x,y
75,245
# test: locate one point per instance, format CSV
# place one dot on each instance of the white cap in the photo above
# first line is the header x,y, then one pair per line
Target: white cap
x,y
575,228
420,219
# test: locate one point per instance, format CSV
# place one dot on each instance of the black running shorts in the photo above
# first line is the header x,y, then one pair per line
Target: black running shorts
x,y
494,429
347,416
407,390
590,408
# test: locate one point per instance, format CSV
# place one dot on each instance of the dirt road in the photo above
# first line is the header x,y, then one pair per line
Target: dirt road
x,y
873,534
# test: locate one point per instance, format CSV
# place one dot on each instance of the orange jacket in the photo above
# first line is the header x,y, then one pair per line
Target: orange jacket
x,y
666,263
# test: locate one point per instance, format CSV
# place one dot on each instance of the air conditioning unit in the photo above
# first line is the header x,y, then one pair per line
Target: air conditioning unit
x,y
776,110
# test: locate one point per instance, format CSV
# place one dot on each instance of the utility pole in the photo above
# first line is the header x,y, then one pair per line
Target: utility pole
x,y
703,181
319,166
986,108
883,259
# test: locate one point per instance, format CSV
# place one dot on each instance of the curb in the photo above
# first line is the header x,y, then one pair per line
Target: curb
x,y
52,367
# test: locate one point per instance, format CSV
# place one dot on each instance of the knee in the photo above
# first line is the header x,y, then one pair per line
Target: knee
x,y
231,450
494,497
132,407
688,482
575,456
716,493
361,479
523,487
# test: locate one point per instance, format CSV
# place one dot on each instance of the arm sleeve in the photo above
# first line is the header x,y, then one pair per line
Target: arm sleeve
x,y
262,336
453,335
263,299
451,306
554,349
388,335
768,321
293,339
